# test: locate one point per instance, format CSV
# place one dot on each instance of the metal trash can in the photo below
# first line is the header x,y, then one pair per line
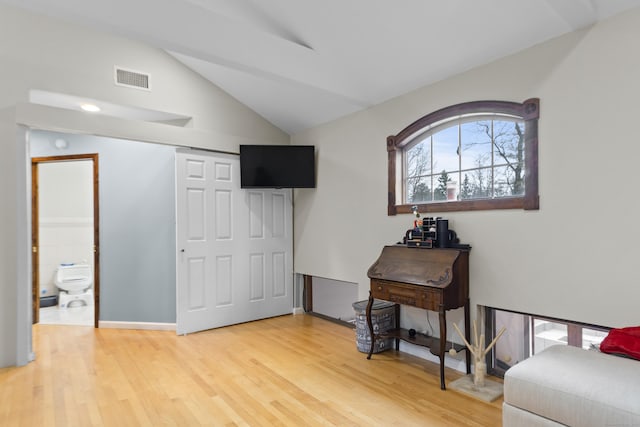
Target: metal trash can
x,y
383,318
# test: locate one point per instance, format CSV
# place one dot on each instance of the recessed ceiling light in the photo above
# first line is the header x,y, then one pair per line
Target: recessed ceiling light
x,y
92,108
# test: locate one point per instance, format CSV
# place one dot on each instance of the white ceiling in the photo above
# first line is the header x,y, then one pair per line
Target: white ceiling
x,y
300,63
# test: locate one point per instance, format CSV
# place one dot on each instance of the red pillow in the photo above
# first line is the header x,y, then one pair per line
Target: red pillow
x,y
623,341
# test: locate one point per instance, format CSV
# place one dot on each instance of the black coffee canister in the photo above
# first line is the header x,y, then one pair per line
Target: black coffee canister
x,y
442,230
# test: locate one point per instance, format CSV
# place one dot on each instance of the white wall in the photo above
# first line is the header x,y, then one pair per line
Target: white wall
x,y
8,241
46,54
334,298
65,189
576,257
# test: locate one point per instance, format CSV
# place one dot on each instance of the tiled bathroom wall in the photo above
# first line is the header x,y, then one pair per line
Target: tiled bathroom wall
x,y
65,206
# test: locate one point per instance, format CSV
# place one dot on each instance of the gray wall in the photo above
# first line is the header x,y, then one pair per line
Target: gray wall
x,y
137,224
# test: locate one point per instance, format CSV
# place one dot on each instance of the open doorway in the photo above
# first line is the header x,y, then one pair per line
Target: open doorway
x,y
65,239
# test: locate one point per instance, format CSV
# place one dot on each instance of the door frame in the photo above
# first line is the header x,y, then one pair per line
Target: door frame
x,y
35,227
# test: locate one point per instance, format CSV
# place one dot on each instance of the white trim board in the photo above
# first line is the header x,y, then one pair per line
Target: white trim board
x,y
151,326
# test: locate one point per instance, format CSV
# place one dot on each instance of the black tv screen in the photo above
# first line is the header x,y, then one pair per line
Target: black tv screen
x,y
277,166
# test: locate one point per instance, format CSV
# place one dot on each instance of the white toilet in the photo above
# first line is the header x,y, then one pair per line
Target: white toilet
x,y
74,282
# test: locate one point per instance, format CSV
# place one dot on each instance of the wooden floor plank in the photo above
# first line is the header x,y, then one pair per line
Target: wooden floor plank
x,y
285,371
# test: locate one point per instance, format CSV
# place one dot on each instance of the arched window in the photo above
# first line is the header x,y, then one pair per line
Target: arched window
x,y
473,156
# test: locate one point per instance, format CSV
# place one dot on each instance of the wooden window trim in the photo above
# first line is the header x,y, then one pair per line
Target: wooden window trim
x,y
529,111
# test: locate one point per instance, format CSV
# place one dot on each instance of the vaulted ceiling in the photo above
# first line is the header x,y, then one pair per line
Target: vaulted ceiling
x,y
300,63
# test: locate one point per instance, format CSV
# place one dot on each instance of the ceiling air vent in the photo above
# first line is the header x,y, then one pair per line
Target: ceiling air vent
x,y
130,78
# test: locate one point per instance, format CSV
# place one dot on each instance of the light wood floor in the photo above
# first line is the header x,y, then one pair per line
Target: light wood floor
x,y
290,370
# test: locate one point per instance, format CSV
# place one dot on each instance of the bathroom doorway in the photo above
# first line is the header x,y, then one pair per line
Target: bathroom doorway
x,y
65,230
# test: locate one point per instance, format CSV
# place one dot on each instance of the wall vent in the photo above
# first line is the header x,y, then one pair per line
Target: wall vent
x,y
134,79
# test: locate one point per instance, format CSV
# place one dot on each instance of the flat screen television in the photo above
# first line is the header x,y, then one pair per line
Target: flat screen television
x,y
277,166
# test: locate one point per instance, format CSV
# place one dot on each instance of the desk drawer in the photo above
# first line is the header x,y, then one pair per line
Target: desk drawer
x,y
413,295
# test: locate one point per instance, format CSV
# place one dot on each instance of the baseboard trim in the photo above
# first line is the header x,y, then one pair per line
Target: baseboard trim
x,y
298,310
137,325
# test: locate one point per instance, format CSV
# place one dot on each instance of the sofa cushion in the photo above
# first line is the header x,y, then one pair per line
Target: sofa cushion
x,y
576,387
516,417
623,342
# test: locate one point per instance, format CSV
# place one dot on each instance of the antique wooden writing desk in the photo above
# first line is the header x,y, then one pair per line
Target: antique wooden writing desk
x,y
432,279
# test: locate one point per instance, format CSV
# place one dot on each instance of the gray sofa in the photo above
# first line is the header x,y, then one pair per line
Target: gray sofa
x,y
569,386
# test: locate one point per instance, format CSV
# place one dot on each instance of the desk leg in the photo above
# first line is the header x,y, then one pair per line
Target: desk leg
x,y
370,325
397,324
467,334
443,343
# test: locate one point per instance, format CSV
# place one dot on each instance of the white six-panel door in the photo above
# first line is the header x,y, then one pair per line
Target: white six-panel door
x,y
234,261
